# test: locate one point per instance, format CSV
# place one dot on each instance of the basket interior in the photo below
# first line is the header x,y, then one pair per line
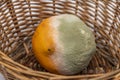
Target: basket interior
x,y
19,19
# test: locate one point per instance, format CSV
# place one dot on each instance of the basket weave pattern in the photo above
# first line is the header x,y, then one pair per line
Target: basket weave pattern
x,y
19,19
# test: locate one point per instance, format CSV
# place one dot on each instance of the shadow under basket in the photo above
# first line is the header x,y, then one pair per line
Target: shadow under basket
x,y
19,19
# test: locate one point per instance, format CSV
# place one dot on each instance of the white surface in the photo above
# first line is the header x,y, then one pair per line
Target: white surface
x,y
1,77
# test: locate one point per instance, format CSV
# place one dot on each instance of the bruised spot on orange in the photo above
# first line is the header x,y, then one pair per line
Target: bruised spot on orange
x,y
44,46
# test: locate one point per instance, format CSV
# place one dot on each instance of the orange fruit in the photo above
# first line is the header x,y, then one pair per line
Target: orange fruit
x,y
63,44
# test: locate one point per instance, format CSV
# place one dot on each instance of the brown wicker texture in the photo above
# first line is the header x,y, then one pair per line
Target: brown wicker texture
x,y
19,19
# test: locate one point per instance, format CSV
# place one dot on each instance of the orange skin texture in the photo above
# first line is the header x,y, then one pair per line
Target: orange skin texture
x,y
44,46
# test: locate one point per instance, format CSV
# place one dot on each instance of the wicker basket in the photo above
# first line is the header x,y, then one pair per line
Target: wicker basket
x,y
19,19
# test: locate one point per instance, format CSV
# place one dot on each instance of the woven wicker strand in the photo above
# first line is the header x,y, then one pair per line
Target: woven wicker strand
x,y
19,19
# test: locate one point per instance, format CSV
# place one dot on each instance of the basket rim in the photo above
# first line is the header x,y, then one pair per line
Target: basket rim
x,y
48,75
